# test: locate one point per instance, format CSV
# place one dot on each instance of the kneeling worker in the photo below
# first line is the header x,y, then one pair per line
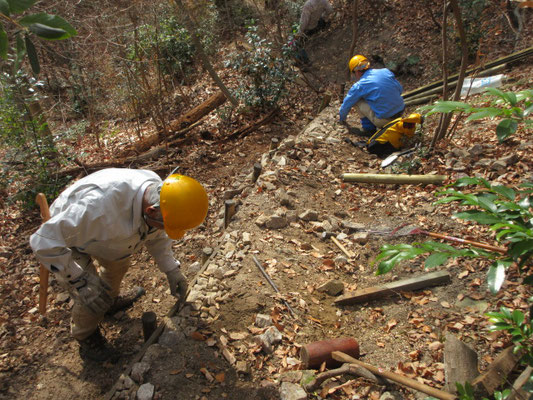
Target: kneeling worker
x,y
377,95
105,218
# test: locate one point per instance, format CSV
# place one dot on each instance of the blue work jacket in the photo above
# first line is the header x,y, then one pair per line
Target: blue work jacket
x,y
380,89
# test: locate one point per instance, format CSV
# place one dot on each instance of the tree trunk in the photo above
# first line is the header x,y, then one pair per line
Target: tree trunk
x,y
354,34
191,27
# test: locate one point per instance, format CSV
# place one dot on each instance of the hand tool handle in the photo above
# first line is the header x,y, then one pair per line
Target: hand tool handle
x,y
43,272
272,284
466,241
411,383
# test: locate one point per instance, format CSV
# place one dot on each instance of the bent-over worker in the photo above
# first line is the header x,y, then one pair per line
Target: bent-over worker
x,y
377,96
105,218
314,16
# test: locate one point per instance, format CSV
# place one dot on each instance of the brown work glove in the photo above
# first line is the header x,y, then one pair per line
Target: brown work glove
x,y
177,283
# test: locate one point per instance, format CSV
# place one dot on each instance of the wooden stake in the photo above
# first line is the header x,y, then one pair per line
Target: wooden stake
x,y
348,254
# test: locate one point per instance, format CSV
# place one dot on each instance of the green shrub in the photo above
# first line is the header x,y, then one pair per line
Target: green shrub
x,y
512,108
265,70
170,42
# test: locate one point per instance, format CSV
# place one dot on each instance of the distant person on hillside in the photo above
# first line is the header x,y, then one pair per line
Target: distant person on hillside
x,y
314,16
377,96
97,224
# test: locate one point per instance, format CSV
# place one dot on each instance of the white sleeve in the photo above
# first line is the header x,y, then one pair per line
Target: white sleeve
x,y
161,250
52,245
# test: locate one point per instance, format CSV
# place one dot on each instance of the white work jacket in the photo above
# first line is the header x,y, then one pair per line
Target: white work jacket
x,y
312,11
101,215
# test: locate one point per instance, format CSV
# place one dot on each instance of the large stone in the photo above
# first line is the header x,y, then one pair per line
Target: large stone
x,y
263,320
171,338
139,371
292,391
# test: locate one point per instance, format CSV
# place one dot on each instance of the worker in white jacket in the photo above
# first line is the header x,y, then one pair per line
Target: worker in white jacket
x,y
104,218
314,15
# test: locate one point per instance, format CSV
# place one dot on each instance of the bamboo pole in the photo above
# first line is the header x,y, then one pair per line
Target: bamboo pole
x,y
392,178
507,59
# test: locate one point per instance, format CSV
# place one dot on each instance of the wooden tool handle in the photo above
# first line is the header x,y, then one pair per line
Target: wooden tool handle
x,y
466,241
411,383
43,272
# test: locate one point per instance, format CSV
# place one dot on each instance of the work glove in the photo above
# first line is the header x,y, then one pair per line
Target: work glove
x,y
177,283
90,291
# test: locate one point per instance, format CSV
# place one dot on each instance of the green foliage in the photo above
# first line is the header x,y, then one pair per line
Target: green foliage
x,y
265,70
31,157
512,108
466,392
518,326
42,25
170,42
506,211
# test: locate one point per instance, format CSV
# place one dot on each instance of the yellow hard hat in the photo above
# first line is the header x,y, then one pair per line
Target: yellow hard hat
x,y
358,63
183,201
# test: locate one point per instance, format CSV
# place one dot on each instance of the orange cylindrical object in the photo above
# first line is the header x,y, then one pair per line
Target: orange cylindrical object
x,y
314,354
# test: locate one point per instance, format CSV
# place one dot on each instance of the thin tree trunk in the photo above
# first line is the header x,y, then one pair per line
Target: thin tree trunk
x,y
191,27
354,34
438,131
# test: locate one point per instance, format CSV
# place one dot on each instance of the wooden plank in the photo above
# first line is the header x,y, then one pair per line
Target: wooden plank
x,y
406,285
497,372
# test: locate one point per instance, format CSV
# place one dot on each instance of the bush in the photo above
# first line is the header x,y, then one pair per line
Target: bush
x,y
170,42
266,71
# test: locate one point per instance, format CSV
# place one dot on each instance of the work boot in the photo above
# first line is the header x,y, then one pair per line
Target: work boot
x,y
96,348
361,132
126,300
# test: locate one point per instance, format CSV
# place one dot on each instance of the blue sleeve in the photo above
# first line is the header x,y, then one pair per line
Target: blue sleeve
x,y
353,96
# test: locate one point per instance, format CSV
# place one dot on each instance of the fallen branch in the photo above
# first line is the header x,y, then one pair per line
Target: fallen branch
x,y
346,369
252,127
410,383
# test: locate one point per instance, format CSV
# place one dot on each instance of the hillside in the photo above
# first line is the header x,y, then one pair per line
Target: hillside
x,y
209,349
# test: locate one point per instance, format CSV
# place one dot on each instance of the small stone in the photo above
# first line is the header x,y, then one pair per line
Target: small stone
x,y
170,338
476,150
269,338
146,392
261,220
333,287
242,367
309,215
263,320
246,239
276,222
360,237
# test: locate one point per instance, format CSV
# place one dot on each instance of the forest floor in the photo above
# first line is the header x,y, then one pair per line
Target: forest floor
x,y
210,350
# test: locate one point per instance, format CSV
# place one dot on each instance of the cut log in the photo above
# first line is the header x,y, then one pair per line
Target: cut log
x,y
182,122
497,372
460,363
392,178
375,292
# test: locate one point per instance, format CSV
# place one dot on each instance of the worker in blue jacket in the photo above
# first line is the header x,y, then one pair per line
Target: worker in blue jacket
x,y
377,95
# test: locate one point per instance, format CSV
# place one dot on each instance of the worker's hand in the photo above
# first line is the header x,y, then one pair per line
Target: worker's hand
x,y
91,292
177,283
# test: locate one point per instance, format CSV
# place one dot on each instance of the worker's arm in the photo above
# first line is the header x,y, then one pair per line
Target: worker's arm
x,y
161,250
353,96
